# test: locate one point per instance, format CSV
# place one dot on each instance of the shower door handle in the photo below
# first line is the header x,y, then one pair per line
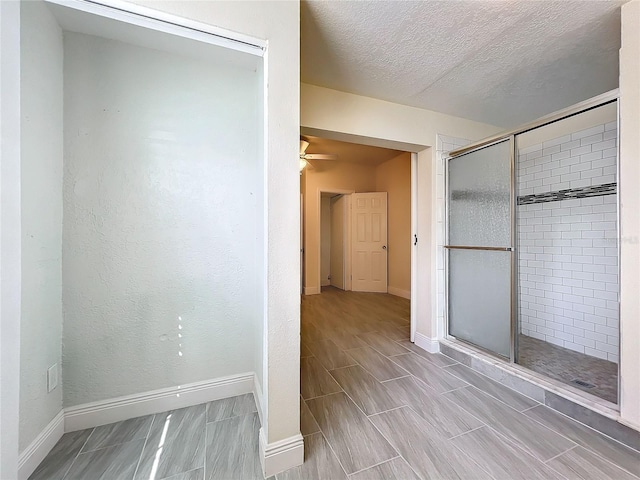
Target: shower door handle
x,y
469,247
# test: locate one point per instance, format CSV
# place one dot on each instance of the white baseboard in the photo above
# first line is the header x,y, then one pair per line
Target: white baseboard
x,y
31,457
257,394
282,455
311,290
156,401
398,292
431,345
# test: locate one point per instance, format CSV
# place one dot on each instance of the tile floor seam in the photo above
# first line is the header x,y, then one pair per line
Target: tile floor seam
x,y
496,381
204,462
374,466
77,454
597,432
397,378
469,431
335,455
390,410
112,445
320,396
586,447
392,446
560,454
144,446
234,416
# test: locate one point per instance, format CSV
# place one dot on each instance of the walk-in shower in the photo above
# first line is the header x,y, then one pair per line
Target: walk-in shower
x,y
532,247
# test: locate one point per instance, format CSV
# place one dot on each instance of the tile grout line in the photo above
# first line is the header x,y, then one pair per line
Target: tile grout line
x,y
391,445
374,466
583,445
144,446
78,454
559,455
396,378
469,431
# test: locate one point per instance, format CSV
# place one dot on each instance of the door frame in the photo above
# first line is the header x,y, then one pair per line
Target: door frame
x,y
347,241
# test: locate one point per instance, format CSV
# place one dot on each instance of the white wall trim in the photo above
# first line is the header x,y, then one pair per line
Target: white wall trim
x,y
257,395
311,290
398,292
282,455
431,345
117,409
127,12
31,457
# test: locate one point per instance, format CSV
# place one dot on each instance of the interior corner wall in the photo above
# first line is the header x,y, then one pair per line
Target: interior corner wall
x,y
629,219
327,175
41,217
394,177
162,214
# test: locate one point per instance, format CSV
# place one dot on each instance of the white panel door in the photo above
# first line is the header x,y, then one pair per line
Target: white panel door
x,y
338,234
369,242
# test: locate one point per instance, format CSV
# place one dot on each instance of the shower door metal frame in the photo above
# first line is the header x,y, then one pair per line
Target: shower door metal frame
x,y
511,249
590,104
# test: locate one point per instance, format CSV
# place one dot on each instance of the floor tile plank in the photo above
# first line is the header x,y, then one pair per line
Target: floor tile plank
x,y
319,462
435,377
232,449
118,461
441,414
355,441
580,463
57,462
315,380
377,364
231,407
177,439
308,424
501,458
382,344
367,392
119,432
532,437
606,447
397,468
429,454
329,355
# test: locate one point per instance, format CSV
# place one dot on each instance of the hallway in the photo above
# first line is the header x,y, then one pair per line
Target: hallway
x,y
375,406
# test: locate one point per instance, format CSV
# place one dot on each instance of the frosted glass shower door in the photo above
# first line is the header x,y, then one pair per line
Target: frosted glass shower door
x,y
479,287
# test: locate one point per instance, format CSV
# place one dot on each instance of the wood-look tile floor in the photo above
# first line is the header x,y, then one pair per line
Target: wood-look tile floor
x,y
217,440
375,406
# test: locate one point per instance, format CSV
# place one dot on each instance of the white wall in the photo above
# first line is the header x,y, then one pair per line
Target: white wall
x,y
10,237
343,116
41,165
279,23
162,165
568,252
629,218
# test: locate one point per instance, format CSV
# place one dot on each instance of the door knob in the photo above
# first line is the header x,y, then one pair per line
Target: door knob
x,y
384,247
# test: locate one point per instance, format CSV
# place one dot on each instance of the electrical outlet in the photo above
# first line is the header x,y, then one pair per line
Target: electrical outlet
x,y
52,377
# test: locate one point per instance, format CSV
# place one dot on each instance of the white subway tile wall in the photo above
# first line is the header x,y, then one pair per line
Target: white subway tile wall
x,y
568,250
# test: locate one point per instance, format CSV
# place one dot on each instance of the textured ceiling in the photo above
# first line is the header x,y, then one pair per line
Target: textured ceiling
x,y
349,152
498,62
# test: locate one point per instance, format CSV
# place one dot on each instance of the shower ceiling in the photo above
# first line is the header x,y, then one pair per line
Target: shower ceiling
x,y
465,58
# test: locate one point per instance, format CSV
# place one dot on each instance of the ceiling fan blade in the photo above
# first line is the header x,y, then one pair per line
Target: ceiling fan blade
x,y
303,146
320,156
